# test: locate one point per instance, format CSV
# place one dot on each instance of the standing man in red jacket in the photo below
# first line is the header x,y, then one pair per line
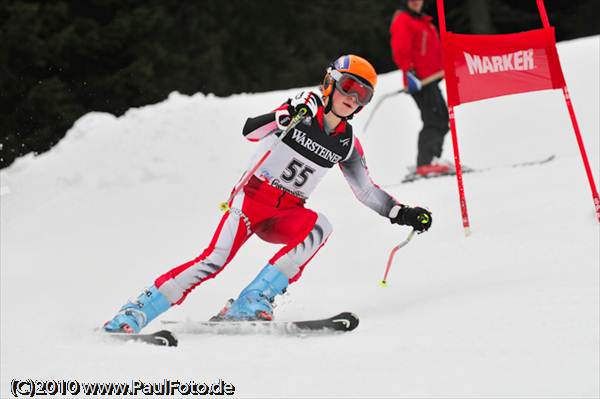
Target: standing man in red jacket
x,y
417,51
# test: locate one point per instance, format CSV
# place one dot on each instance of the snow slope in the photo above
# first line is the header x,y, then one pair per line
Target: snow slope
x,y
511,311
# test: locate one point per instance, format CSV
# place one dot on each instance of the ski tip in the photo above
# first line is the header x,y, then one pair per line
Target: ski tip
x,y
345,321
383,283
166,337
159,338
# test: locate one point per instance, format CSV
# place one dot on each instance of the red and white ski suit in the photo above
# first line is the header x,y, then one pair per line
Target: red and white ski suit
x,y
271,204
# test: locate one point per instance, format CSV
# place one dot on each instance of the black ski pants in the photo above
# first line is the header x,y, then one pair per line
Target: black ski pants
x,y
434,113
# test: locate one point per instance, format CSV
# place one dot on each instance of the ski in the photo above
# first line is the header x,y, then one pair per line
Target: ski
x,y
342,322
159,338
412,176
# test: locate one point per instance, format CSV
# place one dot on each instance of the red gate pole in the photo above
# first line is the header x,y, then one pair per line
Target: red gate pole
x,y
586,163
459,177
543,14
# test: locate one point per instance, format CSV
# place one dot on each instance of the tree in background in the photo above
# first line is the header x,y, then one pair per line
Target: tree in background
x,y
480,16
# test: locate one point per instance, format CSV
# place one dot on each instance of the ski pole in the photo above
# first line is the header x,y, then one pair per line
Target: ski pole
x,y
424,82
391,258
377,104
224,206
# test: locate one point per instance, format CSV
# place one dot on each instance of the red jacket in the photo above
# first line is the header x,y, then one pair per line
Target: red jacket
x,y
416,44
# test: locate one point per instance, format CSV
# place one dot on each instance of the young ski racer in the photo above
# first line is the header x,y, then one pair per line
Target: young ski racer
x,y
271,203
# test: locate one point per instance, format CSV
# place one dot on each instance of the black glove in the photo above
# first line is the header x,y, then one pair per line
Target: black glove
x,y
419,218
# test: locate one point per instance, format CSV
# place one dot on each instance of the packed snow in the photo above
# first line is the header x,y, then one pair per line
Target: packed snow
x,y
511,311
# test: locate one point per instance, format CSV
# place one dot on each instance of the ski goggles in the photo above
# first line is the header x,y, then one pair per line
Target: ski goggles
x,y
349,85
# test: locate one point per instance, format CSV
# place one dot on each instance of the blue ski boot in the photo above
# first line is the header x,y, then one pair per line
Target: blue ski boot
x,y
256,300
135,315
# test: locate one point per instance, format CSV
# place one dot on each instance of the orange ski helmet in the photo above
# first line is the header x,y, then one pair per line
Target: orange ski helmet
x,y
353,65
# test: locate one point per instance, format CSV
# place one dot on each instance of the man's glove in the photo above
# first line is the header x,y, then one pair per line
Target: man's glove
x,y
306,100
414,84
419,218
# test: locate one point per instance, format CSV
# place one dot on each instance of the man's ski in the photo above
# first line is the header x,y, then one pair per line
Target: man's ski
x,y
342,322
160,338
413,176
